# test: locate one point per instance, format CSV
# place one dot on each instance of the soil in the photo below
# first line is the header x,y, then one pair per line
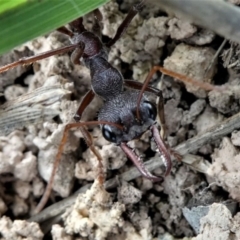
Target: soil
x,y
197,200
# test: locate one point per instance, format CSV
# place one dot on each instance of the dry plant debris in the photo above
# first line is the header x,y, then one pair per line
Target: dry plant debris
x,y
134,208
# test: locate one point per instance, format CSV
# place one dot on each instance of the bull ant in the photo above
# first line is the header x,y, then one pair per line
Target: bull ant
x,y
126,113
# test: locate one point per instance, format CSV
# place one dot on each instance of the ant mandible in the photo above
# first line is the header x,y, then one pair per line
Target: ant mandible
x,y
126,113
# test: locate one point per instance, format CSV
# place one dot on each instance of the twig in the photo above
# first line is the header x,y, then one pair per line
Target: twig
x,y
215,56
210,135
218,16
191,145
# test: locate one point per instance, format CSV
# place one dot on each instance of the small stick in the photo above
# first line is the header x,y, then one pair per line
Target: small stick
x,y
216,55
219,16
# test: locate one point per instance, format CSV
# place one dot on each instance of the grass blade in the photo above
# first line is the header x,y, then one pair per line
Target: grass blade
x,y
23,20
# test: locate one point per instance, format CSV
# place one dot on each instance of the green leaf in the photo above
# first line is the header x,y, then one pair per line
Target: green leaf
x,y
23,20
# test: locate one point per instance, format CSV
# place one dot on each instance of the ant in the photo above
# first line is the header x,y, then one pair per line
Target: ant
x,y
127,113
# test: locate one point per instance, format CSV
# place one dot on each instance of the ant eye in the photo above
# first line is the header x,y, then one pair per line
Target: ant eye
x,y
108,134
151,108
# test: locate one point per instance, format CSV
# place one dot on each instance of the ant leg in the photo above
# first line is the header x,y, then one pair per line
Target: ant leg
x,y
48,189
29,60
158,93
161,115
183,78
65,31
97,26
77,54
124,25
78,27
85,102
138,85
89,142
204,85
88,138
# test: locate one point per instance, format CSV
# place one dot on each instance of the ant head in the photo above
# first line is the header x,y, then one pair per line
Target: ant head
x,y
122,110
